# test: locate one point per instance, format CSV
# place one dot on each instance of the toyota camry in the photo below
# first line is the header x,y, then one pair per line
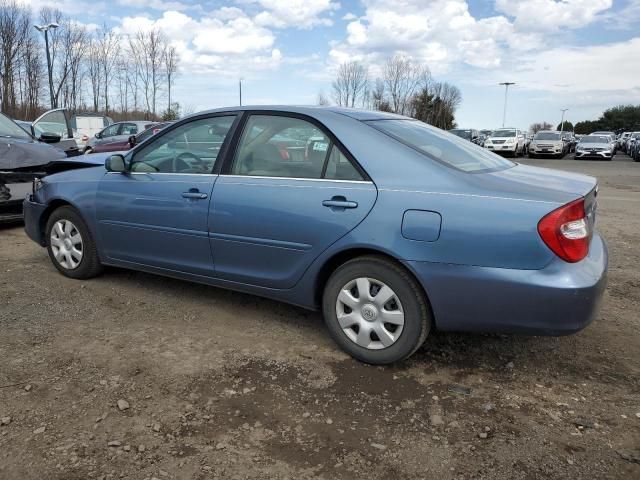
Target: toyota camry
x,y
391,227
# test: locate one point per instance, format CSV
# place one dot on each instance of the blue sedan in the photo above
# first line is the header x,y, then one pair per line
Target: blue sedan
x,y
390,226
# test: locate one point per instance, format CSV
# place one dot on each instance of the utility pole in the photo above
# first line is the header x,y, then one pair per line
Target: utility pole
x,y
562,121
45,29
240,90
506,91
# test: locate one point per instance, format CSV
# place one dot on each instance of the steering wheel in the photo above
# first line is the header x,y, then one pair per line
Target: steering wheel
x,y
180,164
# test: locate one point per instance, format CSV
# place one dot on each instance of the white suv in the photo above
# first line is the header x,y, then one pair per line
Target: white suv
x,y
510,141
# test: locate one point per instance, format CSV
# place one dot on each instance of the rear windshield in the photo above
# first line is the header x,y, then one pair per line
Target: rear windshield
x,y
442,146
594,139
547,136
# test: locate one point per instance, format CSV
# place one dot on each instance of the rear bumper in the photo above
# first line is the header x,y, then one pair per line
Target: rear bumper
x,y
33,212
560,299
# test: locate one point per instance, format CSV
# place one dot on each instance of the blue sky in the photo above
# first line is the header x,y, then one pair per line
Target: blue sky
x,y
583,55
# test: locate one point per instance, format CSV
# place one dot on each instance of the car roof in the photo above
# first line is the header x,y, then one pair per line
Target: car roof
x,y
313,111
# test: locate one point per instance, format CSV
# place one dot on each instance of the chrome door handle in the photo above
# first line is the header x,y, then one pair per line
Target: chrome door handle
x,y
334,203
195,195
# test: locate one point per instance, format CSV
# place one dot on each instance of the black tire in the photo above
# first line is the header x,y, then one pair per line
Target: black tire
x,y
417,314
531,155
89,265
87,151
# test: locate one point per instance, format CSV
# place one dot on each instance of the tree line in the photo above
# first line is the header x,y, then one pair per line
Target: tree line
x,y
621,118
404,87
123,76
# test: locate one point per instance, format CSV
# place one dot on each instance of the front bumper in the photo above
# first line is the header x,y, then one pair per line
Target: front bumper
x,y
560,299
545,151
588,154
33,212
497,148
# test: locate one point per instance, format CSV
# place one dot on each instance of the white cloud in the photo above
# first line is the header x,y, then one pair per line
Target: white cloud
x,y
227,41
545,15
439,33
349,16
583,70
302,14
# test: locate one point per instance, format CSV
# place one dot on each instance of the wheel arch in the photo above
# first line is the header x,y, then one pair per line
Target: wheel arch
x,y
342,256
52,206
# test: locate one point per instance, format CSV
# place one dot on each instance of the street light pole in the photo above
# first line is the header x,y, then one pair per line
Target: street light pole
x,y
240,90
45,29
562,121
506,91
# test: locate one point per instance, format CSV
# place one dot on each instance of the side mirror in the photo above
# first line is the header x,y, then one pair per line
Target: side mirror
x,y
98,135
115,163
48,137
132,141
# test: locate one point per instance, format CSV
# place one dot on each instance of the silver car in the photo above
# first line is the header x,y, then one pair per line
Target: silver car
x,y
547,142
594,146
117,132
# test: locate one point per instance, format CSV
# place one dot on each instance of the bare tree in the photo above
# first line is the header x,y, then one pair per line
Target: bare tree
x,y
322,99
536,127
149,48
171,60
402,79
108,54
14,32
94,71
350,84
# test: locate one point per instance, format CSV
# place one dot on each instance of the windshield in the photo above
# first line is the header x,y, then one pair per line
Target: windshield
x,y
594,139
504,133
547,136
8,128
442,146
466,134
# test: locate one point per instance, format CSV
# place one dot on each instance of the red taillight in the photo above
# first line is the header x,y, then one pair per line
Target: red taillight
x,y
566,231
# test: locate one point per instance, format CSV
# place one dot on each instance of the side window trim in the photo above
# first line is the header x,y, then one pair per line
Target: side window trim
x,y
225,167
224,148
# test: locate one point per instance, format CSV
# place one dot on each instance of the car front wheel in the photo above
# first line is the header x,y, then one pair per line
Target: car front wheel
x,y
375,310
70,245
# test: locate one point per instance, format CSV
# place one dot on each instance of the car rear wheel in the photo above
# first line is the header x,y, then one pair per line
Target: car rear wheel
x,y
70,245
375,310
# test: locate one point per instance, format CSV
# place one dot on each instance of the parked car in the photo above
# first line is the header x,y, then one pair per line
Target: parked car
x,y
386,249
612,136
570,142
117,132
131,141
24,157
594,146
631,143
622,141
547,142
509,141
468,134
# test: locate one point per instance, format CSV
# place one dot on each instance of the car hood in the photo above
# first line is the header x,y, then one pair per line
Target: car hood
x,y
587,146
537,184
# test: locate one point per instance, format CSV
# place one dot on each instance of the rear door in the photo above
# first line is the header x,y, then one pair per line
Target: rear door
x,y
288,194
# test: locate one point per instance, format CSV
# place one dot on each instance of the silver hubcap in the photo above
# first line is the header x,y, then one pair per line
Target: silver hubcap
x,y
370,313
66,244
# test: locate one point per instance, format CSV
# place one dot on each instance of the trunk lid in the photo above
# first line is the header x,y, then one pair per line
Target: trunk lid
x,y
539,184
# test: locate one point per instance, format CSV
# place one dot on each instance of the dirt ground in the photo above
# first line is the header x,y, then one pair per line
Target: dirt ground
x,y
224,385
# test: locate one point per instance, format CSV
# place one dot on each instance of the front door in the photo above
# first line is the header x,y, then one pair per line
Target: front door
x,y
156,214
287,196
